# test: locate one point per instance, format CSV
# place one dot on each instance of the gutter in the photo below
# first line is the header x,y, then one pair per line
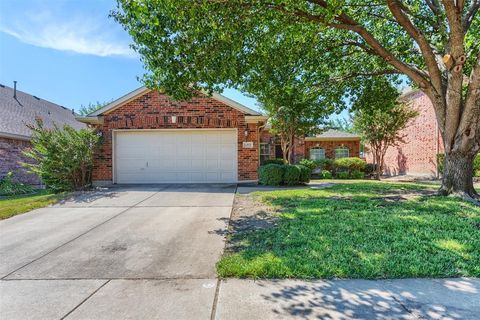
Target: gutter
x,y
14,136
90,120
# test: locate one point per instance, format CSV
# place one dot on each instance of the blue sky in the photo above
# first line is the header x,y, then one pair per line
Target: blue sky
x,y
70,52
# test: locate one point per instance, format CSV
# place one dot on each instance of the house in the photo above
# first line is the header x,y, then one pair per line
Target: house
x,y
150,138
17,109
331,144
416,155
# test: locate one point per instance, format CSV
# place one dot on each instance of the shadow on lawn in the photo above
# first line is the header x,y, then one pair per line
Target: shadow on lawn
x,y
342,235
363,299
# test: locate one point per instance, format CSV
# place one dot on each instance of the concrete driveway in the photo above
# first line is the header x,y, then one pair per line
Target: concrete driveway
x,y
136,252
149,253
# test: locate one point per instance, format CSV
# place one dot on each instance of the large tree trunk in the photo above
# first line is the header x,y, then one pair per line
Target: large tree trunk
x,y
458,175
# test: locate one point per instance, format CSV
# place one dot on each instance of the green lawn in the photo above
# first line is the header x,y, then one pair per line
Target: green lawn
x,y
360,230
10,206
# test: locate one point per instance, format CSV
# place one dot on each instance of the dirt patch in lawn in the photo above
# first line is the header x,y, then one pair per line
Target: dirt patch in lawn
x,y
248,215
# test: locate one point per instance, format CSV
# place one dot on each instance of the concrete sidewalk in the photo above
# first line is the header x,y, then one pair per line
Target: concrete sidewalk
x,y
349,299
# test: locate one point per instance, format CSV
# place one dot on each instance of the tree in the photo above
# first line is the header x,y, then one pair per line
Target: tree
x,y
380,117
341,124
91,107
187,45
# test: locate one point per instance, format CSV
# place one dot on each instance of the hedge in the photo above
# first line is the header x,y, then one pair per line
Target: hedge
x,y
275,174
476,164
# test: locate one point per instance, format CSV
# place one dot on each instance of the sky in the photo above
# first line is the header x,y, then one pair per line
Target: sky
x,y
70,52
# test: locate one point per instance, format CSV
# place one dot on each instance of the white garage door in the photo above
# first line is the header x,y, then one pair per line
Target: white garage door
x,y
177,156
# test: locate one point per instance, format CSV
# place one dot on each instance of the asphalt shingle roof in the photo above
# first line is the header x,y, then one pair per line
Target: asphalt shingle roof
x,y
331,133
16,113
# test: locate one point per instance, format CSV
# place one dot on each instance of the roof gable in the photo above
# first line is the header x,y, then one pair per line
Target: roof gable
x,y
144,90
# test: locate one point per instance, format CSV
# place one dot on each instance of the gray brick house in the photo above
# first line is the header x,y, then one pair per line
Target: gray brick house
x,y
17,109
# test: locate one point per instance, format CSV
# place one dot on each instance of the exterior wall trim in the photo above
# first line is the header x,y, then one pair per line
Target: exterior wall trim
x,y
144,90
14,136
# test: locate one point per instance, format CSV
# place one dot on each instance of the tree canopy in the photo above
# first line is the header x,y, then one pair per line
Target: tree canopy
x,y
209,44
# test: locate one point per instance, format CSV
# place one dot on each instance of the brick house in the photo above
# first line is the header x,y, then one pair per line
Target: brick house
x,y
17,109
151,138
331,144
417,154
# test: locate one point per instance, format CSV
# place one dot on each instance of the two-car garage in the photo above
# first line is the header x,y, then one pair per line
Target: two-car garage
x,y
175,156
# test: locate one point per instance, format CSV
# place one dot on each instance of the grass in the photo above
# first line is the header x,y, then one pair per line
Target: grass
x,y
13,205
360,230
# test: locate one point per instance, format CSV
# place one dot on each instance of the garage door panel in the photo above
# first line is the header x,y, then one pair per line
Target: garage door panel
x,y
176,156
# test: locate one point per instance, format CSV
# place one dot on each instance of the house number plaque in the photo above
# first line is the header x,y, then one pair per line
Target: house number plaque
x,y
248,144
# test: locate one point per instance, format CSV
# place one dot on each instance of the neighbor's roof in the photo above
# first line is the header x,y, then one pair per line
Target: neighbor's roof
x,y
143,90
332,134
25,109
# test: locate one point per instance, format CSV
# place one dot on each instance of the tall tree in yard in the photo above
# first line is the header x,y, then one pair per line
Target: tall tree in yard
x,y
380,117
209,44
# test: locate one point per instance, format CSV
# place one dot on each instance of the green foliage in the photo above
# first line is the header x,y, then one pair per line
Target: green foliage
x,y
325,164
91,107
271,174
325,174
321,233
10,187
63,158
305,173
292,175
274,161
357,174
342,175
312,165
350,164
476,164
370,168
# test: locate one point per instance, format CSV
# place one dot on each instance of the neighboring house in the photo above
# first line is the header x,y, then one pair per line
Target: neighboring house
x,y
17,109
417,154
331,144
151,138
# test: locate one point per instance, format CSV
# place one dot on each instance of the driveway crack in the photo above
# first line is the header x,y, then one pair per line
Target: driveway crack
x,y
83,301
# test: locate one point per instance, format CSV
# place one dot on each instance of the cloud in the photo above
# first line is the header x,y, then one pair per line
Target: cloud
x,y
80,35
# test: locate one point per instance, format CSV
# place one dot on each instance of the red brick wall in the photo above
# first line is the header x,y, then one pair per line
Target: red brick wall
x,y
330,146
154,111
10,158
302,147
416,155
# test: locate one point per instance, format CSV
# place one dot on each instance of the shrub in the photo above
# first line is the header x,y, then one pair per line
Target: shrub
x,y
292,175
271,174
350,164
10,187
476,164
305,173
325,174
274,161
355,174
312,165
325,164
370,168
342,175
63,158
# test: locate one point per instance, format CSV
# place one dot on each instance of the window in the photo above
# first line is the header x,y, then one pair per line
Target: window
x,y
317,153
342,152
264,151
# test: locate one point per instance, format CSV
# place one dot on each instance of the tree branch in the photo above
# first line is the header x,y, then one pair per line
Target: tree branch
x,y
470,15
366,74
427,52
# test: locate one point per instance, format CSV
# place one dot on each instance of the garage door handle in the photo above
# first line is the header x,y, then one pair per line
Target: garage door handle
x,y
147,164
